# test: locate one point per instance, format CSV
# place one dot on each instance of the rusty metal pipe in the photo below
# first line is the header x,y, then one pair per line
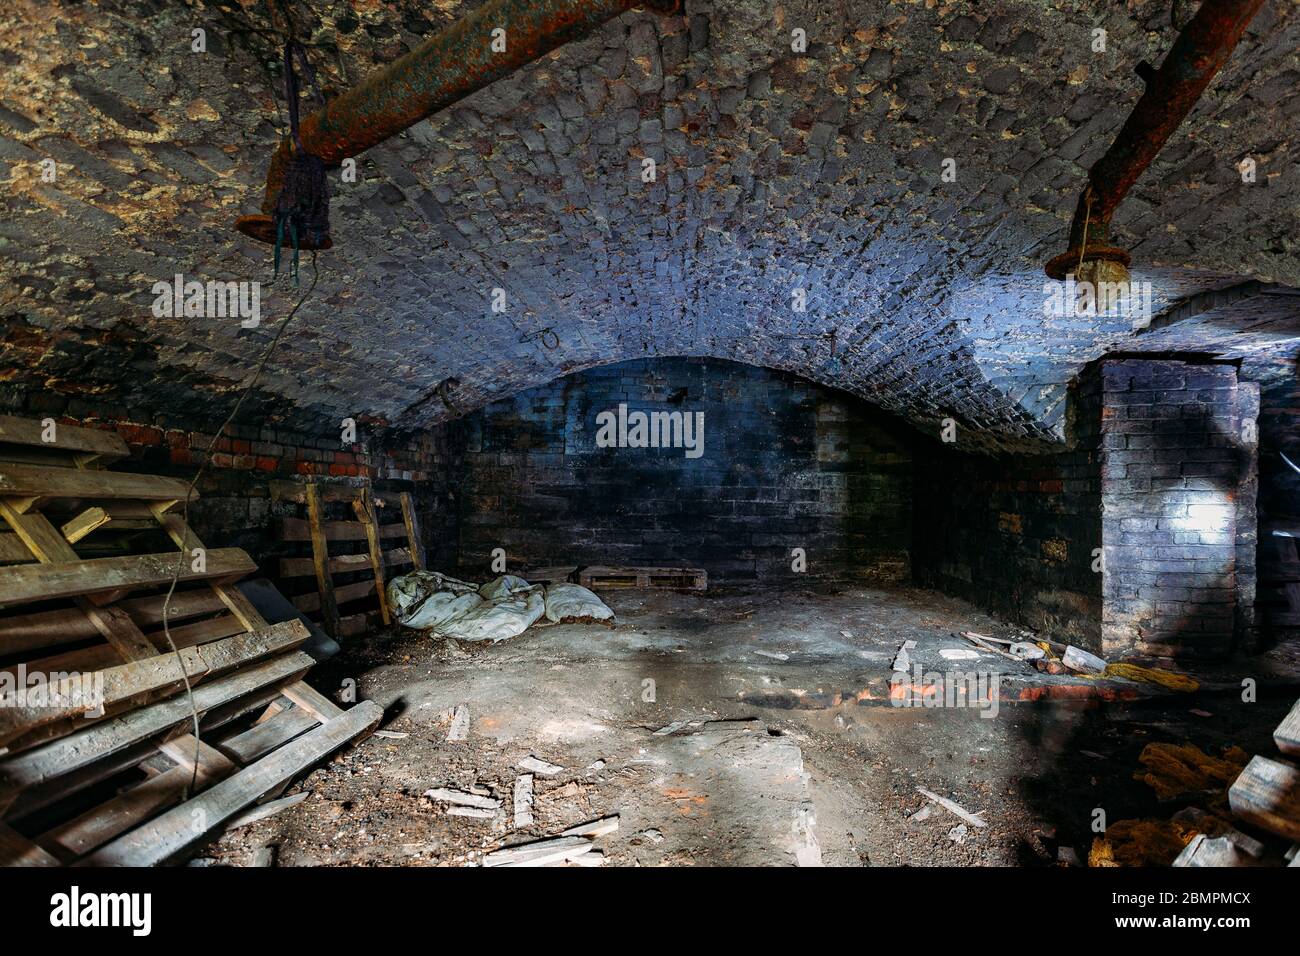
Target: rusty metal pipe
x,y
1198,53
439,72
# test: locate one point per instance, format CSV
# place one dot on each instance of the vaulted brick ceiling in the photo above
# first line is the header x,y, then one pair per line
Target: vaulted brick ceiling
x,y
777,171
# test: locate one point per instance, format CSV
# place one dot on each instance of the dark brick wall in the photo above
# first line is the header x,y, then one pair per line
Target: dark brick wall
x,y
1177,478
1279,496
1017,534
786,464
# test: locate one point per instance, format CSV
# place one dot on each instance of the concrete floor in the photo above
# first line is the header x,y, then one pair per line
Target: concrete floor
x,y
785,760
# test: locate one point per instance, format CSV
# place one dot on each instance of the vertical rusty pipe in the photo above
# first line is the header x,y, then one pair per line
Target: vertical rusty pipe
x,y
440,71
1198,53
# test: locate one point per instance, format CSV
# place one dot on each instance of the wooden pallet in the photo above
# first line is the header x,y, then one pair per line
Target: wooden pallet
x,y
598,577
115,776
381,545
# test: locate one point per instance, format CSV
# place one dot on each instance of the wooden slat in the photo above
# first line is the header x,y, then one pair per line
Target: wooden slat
x,y
312,701
340,563
1287,735
26,632
366,515
261,739
17,850
83,524
342,595
185,539
299,529
23,481
12,549
1267,794
413,543
68,438
25,583
320,562
132,680
77,750
166,835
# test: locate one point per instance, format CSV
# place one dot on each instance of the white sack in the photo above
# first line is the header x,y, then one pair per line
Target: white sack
x,y
573,602
427,599
498,620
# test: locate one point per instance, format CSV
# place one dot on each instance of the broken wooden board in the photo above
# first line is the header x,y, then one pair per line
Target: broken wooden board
x,y
169,834
1267,794
1287,735
24,583
78,443
540,853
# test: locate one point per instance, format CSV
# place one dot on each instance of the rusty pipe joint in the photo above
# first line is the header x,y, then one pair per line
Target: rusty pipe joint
x,y
1198,53
490,43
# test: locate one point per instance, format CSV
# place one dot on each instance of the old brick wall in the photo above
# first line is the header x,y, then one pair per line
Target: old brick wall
x,y
786,464
1177,459
1017,534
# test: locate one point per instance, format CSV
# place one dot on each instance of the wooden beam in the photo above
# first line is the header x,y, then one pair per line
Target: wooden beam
x,y
260,739
28,481
67,438
26,632
109,688
83,524
25,582
340,563
77,750
299,529
1287,735
342,595
320,562
365,512
331,491
184,538
169,834
413,543
1267,795
17,850
312,701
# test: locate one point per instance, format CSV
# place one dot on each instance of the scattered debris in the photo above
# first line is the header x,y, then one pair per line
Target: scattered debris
x,y
1067,855
903,659
540,767
523,801
1027,651
596,765
391,734
653,835
958,833
958,654
1212,851
983,643
459,729
1083,662
953,808
920,816
1150,675
475,812
539,853
462,799
774,655
1174,770
594,828
267,810
265,856
672,728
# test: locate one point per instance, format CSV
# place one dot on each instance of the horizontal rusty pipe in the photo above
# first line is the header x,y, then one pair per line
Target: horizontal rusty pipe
x,y
439,72
1198,53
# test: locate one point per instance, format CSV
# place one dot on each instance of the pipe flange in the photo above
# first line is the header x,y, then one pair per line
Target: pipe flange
x,y
261,227
1058,267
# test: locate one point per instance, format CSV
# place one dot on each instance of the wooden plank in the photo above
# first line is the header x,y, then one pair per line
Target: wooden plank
x,y
299,529
340,563
320,563
413,543
80,695
29,481
1287,735
77,750
17,850
311,600
12,549
184,538
24,632
312,701
25,583
166,835
1267,794
365,512
355,624
67,438
261,739
83,524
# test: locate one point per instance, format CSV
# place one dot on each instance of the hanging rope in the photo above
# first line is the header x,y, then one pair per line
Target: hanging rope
x,y
302,209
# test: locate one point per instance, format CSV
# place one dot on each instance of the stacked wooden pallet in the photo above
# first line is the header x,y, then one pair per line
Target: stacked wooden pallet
x,y
99,761
383,545
599,577
1267,793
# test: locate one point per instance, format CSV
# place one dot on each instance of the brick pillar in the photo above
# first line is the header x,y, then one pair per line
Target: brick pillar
x,y
1177,455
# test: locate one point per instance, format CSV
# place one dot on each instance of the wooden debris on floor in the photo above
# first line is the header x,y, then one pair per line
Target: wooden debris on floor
x,y
102,767
349,596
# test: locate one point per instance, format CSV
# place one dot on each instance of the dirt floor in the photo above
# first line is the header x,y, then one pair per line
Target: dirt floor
x,y
738,728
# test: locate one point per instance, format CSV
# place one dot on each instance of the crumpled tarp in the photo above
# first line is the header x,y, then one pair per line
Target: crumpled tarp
x,y
503,608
